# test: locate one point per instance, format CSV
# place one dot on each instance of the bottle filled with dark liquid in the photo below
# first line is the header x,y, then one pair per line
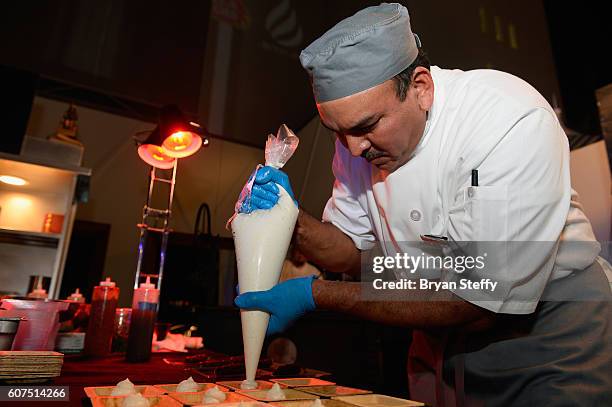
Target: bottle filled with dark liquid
x,y
101,319
142,322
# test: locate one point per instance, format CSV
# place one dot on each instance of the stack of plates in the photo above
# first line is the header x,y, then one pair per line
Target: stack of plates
x,y
30,366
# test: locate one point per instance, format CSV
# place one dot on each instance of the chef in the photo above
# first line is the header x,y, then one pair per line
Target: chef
x,y
450,156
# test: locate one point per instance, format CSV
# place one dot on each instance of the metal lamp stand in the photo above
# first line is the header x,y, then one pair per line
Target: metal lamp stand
x,y
151,218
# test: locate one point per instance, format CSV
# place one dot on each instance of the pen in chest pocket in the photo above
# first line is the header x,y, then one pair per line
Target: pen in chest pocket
x,y
443,239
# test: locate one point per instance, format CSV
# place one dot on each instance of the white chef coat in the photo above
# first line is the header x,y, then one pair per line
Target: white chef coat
x,y
494,122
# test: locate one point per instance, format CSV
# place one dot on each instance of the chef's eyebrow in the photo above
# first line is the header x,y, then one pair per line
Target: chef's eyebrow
x,y
365,122
362,124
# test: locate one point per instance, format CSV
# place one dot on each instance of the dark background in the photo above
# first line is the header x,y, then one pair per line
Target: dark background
x,y
580,34
129,57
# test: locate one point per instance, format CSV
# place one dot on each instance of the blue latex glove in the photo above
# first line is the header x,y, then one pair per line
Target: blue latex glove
x,y
285,302
265,192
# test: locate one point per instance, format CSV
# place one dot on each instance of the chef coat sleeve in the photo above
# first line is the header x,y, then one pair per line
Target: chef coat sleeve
x,y
346,207
516,213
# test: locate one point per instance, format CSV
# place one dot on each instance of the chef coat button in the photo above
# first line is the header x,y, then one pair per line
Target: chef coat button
x,y
415,215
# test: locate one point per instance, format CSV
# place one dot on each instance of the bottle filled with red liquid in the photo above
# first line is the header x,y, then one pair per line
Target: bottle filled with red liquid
x,y
142,322
101,319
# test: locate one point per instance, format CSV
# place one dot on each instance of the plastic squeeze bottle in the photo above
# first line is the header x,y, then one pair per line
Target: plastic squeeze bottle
x,y
101,319
76,296
142,322
38,292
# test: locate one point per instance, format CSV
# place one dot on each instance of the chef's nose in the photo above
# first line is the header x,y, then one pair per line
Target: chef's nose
x,y
357,145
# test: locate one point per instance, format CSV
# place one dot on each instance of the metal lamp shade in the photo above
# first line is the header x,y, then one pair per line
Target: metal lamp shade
x,y
151,152
182,138
182,144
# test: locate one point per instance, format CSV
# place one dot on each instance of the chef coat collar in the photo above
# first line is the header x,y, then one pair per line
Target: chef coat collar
x,y
432,113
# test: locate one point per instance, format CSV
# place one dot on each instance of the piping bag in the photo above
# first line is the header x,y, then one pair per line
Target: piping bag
x,y
261,240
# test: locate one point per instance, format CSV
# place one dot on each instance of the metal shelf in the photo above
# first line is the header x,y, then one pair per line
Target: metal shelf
x,y
45,163
29,238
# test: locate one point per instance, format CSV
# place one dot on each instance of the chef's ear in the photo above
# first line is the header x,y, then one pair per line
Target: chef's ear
x,y
422,82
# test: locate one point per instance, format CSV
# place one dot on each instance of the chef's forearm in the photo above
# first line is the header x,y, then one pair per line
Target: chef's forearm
x,y
445,310
325,245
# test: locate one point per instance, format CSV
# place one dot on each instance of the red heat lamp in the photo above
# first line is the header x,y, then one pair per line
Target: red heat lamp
x,y
154,155
174,137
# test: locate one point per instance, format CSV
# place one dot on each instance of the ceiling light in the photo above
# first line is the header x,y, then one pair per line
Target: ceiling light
x,y
9,179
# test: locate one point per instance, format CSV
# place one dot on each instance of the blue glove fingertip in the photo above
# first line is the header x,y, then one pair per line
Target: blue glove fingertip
x,y
270,187
264,175
238,301
264,194
259,203
246,300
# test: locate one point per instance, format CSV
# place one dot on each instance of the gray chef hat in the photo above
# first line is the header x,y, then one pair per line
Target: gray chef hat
x,y
360,52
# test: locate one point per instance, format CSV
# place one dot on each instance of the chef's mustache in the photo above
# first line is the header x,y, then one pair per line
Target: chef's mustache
x,y
372,154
